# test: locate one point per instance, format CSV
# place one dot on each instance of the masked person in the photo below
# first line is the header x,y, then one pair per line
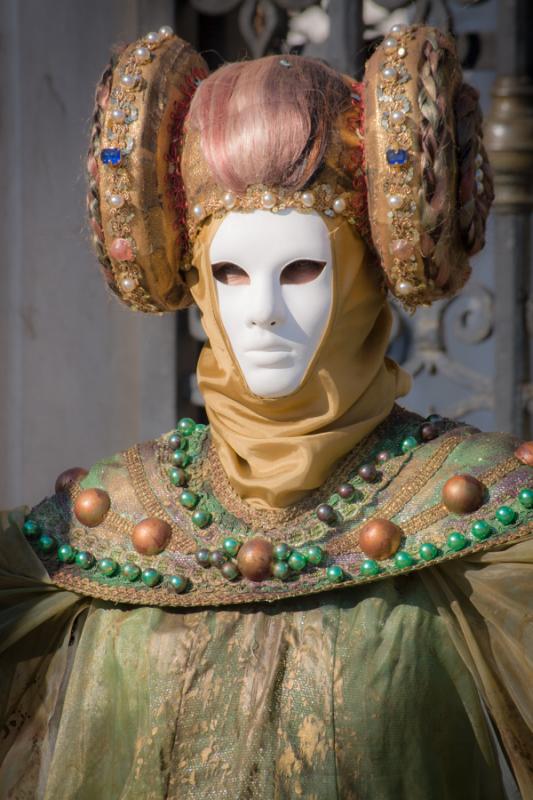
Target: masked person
x,y
319,595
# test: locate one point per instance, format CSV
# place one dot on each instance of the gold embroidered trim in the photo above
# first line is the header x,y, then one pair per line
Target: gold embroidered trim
x,y
349,541
145,494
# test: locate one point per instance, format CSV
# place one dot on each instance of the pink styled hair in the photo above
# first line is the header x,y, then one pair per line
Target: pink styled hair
x,y
265,122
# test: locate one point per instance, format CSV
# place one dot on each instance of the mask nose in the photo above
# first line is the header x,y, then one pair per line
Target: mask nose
x,y
265,307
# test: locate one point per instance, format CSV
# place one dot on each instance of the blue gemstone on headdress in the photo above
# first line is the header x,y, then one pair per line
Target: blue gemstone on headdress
x,y
110,155
397,157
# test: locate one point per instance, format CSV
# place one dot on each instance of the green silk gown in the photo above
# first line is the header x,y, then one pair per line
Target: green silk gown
x,y
378,685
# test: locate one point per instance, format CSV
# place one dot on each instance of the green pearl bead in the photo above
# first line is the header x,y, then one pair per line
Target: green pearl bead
x,y
107,566
409,443
186,426
231,546
481,529
525,498
200,427
281,570
403,560
178,583
151,577
201,519
47,543
188,499
335,574
85,560
131,571
177,476
282,551
506,515
66,553
180,458
315,554
427,551
369,567
456,541
30,527
297,561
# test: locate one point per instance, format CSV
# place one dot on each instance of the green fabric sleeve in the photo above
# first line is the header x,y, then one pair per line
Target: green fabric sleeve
x,y
486,600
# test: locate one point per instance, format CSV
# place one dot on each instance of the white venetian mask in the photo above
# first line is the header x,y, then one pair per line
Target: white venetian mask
x,y
273,276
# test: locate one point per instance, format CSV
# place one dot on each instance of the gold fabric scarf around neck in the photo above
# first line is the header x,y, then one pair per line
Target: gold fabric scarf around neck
x,y
276,450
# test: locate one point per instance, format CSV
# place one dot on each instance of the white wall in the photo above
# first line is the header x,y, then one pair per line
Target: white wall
x,y
80,376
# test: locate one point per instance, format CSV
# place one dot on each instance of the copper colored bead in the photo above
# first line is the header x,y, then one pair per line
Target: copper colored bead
x,y
380,538
151,536
254,559
463,494
524,453
68,477
91,506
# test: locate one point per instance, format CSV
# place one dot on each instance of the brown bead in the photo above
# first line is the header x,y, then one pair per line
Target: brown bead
x,y
367,472
91,507
380,538
254,558
524,453
463,494
428,431
346,491
68,477
151,536
383,456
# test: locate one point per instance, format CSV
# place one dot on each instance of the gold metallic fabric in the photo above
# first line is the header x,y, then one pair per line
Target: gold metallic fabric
x,y
274,451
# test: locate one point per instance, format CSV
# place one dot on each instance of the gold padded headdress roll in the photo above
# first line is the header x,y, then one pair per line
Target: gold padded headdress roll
x,y
136,199
429,181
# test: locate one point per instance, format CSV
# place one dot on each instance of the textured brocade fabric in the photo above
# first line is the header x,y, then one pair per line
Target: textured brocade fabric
x,y
357,695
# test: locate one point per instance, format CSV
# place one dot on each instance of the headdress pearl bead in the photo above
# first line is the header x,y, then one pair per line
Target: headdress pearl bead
x,y
268,200
165,31
390,43
308,199
116,200
398,28
118,115
395,201
389,73
198,211
142,54
403,288
229,200
397,117
127,284
129,81
339,205
153,37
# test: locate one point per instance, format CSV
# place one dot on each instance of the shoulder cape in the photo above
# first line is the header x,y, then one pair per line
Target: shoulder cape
x,y
407,491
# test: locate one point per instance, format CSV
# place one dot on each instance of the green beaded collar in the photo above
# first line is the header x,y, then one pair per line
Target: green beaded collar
x,y
214,541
